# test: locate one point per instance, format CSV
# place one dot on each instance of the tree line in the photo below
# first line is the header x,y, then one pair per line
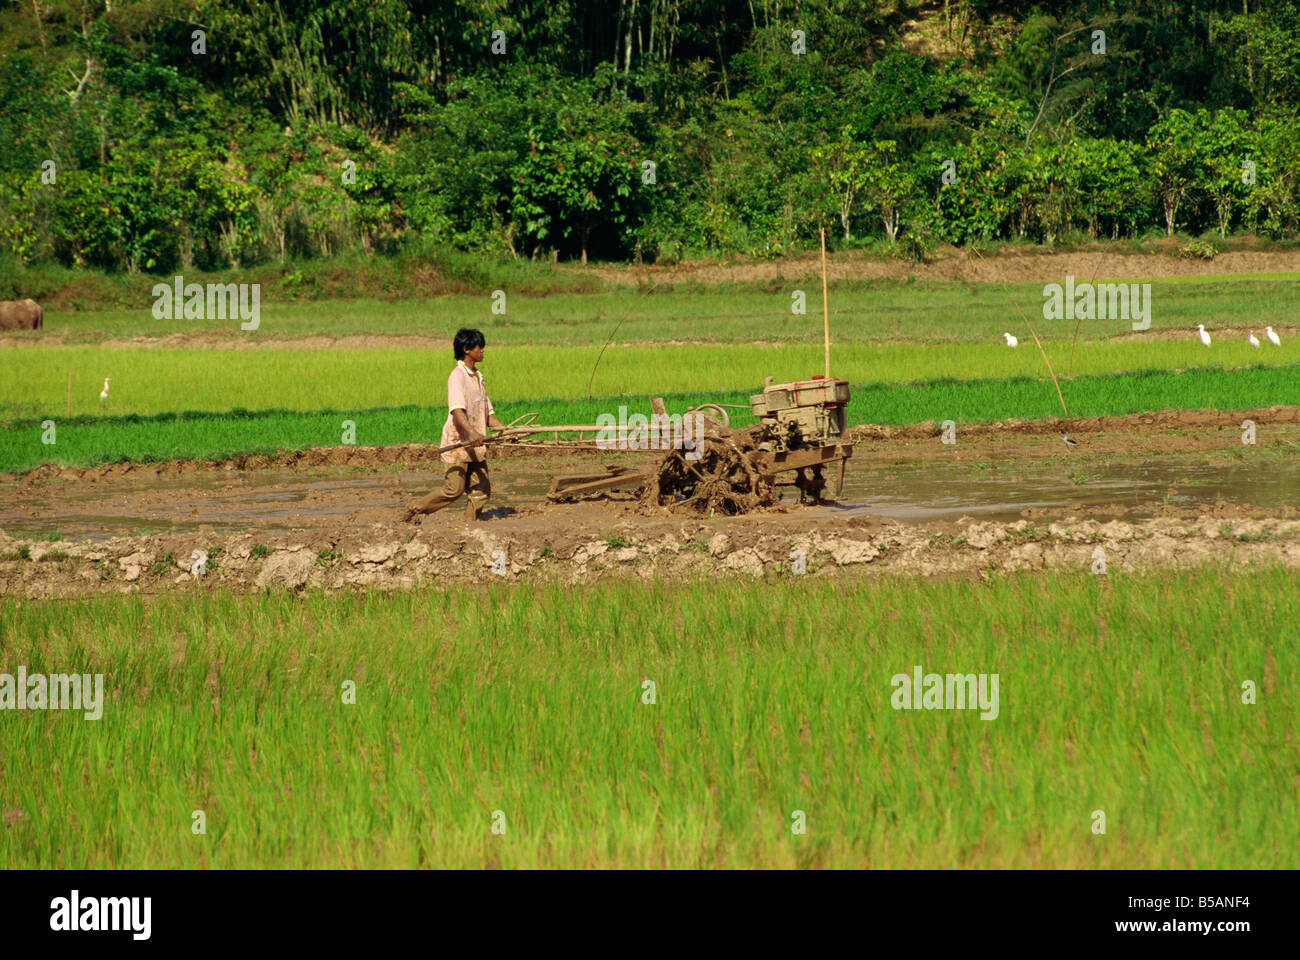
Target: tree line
x,y
152,136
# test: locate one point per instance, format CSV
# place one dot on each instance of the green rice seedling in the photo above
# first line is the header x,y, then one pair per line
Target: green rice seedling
x,y
172,380
216,436
867,309
398,730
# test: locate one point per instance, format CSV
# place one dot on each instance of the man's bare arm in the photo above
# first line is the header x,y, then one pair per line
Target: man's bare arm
x,y
462,425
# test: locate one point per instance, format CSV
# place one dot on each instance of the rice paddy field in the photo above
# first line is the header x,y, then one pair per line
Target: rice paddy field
x,y
528,709
157,381
722,310
584,685
913,352
88,440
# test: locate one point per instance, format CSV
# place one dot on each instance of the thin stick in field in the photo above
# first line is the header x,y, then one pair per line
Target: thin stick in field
x,y
1044,353
592,378
1070,370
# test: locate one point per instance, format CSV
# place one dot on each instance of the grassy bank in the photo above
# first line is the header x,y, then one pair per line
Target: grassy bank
x,y
86,441
1115,694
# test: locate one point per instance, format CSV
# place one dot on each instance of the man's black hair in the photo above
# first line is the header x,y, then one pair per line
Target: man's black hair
x,y
466,339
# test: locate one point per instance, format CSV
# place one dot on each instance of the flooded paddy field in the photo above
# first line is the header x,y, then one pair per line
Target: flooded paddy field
x,y
1157,492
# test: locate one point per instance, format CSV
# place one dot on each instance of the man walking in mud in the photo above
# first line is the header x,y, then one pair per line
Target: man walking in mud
x,y
469,414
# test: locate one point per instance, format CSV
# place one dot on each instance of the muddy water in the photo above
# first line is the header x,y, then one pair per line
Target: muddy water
x,y
928,492
280,500
261,500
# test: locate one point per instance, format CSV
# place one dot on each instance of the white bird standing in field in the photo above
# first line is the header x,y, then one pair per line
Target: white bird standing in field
x,y
1254,340
1272,337
103,394
1012,342
1205,337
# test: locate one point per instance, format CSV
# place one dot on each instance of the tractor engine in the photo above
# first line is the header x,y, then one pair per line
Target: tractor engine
x,y
802,414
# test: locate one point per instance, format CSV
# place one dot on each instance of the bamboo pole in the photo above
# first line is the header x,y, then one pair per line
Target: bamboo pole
x,y
826,314
69,396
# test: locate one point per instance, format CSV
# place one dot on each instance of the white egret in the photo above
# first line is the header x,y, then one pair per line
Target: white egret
x,y
103,394
1254,341
1205,337
1012,342
1272,337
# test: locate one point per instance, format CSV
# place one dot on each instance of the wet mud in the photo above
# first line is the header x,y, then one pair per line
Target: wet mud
x,y
1139,493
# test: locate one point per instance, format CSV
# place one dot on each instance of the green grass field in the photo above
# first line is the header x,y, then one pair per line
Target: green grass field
x,y
1120,694
913,351
860,310
87,440
155,381
1117,694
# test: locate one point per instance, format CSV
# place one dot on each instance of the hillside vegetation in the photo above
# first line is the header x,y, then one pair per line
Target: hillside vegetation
x,y
156,137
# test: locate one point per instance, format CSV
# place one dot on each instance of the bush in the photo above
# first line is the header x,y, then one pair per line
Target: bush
x,y
913,247
1198,248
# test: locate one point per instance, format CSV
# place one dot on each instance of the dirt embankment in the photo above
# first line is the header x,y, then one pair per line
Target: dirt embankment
x,y
1009,265
581,551
280,523
1129,426
206,340
210,340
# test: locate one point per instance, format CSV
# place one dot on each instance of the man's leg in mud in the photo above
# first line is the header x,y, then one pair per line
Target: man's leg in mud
x,y
478,488
453,486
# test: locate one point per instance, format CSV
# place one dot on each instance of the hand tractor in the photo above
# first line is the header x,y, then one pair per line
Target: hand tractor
x,y
801,427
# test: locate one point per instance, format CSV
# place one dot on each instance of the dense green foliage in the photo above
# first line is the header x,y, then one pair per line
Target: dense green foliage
x,y
1116,693
659,128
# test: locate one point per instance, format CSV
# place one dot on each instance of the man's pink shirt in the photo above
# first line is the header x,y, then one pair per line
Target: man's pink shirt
x,y
465,391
